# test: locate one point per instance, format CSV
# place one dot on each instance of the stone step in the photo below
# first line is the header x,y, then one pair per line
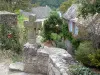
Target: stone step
x,y
17,66
22,73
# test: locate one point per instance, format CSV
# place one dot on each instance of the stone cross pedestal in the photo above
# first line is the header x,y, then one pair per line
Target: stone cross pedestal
x,y
31,26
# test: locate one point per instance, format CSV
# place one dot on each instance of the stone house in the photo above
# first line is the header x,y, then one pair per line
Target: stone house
x,y
41,13
75,23
78,25
71,17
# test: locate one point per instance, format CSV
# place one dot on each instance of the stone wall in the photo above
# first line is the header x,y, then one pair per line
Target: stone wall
x,y
8,18
47,61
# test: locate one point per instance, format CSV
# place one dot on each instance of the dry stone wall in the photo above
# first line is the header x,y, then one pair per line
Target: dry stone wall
x,y
8,18
47,61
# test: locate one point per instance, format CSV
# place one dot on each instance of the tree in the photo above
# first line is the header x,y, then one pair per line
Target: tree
x,y
90,10
50,3
52,25
89,7
65,5
12,5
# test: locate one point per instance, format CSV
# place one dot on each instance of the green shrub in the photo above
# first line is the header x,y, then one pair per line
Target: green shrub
x,y
9,38
22,30
52,25
75,43
58,41
95,58
61,45
83,51
81,70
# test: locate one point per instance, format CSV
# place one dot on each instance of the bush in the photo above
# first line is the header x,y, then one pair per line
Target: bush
x,y
83,51
61,45
9,38
75,43
22,30
95,58
81,70
52,25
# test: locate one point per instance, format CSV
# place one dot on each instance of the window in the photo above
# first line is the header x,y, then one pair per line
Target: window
x,y
76,30
70,26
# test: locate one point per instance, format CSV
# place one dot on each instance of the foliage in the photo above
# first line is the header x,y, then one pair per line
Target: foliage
x,y
89,7
35,5
50,3
75,42
83,34
9,38
52,25
56,29
65,5
65,31
95,58
55,36
87,54
67,35
10,55
22,29
58,40
81,70
61,45
12,5
83,51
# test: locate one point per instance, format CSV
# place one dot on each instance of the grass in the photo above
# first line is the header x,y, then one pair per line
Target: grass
x,y
10,56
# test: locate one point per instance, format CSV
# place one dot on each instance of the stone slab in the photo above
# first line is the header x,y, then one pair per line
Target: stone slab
x,y
18,66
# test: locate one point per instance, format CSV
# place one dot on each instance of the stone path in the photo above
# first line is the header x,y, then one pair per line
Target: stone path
x,y
4,70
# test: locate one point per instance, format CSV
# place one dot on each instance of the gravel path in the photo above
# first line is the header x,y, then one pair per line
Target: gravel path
x,y
4,70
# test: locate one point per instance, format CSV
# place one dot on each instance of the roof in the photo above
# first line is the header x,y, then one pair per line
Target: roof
x,y
71,13
92,21
6,12
40,12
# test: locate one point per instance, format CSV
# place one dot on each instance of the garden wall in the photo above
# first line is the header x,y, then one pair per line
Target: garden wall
x,y
8,18
47,61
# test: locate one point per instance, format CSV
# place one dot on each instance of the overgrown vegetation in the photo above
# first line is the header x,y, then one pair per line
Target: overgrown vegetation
x,y
66,4
50,3
22,30
52,25
12,5
87,54
81,70
9,38
56,29
89,7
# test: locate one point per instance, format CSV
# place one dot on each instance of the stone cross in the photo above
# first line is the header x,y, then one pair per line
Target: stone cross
x,y
31,26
